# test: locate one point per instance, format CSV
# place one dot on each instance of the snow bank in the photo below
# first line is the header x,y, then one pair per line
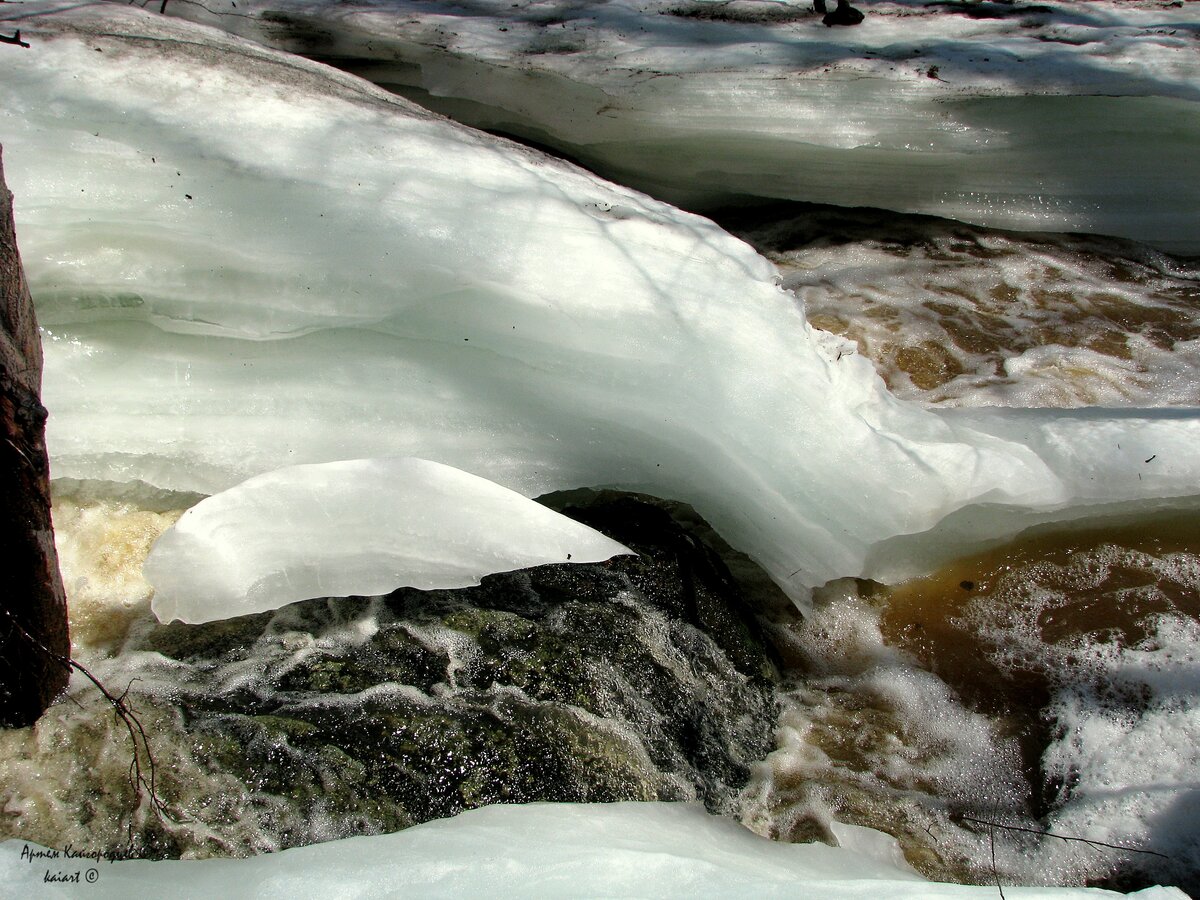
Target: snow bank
x,y
244,261
540,850
1059,115
359,527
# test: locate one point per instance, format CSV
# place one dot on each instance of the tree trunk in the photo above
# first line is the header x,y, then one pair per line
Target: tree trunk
x,y
34,642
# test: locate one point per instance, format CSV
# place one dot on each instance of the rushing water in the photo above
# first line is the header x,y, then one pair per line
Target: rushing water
x,y
1050,684
1047,685
954,315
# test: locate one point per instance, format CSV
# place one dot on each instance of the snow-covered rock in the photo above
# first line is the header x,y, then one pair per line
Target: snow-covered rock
x,y
243,261
358,527
1059,115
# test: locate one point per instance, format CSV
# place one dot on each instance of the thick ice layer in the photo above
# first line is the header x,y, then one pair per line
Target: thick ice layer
x,y
358,527
539,850
245,261
1066,116
1103,458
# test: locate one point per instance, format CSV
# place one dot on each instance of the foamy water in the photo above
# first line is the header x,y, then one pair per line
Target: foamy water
x,y
1050,685
958,316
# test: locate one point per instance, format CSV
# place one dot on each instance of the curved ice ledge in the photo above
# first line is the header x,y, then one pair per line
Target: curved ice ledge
x,y
456,297
358,527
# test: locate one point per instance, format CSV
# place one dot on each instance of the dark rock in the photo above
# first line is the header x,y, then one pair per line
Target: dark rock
x,y
743,14
34,640
646,677
845,14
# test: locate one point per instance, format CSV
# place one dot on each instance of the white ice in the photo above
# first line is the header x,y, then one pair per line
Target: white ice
x,y
358,527
244,261
541,850
1059,115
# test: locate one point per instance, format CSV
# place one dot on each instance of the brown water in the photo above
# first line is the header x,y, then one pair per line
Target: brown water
x,y
1049,684
1057,588
953,315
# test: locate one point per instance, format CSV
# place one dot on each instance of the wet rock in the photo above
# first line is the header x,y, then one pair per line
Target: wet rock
x,y
844,14
646,677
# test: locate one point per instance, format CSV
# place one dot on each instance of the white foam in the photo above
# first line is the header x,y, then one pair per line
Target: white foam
x,y
956,317
102,544
1124,691
867,736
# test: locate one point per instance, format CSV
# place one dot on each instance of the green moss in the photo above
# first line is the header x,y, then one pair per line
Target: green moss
x,y
228,638
289,729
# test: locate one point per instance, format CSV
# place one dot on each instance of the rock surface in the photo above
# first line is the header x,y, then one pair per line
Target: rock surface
x,y
642,678
34,644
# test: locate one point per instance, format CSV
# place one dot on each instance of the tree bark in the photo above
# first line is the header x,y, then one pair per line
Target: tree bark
x,y
34,640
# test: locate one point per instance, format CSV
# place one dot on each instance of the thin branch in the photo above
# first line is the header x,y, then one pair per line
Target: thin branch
x,y
138,779
1063,837
995,871
19,451
15,39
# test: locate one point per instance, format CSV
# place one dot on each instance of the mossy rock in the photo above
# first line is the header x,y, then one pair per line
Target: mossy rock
x,y
645,677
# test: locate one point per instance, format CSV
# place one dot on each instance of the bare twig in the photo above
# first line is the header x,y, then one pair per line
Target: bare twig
x,y
1062,837
138,779
20,453
995,871
15,39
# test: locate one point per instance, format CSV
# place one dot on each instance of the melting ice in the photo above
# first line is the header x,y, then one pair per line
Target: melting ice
x,y
616,850
382,290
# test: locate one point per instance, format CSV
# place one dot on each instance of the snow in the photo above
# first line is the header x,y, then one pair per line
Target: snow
x,y
1059,115
540,850
244,261
359,527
